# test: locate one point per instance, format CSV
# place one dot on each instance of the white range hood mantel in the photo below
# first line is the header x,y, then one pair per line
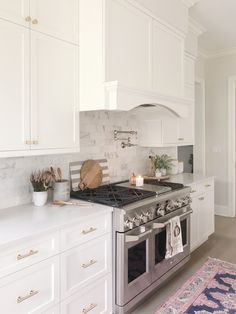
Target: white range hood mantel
x,y
123,98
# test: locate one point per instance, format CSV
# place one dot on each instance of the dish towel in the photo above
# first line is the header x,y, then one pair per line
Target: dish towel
x,y
174,243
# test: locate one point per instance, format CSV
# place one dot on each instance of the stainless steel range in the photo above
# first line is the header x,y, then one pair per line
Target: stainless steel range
x,y
140,219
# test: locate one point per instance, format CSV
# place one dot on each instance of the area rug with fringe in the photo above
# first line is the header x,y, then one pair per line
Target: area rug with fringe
x,y
212,289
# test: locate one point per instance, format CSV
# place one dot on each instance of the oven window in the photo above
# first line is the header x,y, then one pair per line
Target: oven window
x,y
137,261
160,246
184,231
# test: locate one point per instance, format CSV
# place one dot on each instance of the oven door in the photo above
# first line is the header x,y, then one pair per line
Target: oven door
x,y
133,263
160,264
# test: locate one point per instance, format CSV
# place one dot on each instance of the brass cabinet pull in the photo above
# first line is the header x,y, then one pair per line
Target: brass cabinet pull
x,y
201,198
91,262
30,253
89,308
89,230
28,19
30,295
28,142
35,142
193,191
207,185
35,21
181,139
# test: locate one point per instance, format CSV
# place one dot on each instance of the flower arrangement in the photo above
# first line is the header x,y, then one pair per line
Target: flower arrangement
x,y
41,180
162,161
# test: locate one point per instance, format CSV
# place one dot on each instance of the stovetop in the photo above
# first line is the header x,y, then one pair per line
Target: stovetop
x,y
113,195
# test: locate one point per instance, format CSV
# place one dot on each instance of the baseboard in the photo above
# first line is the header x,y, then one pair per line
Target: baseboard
x,y
221,210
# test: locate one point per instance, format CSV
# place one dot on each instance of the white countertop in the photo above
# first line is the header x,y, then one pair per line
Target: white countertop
x,y
188,178
17,223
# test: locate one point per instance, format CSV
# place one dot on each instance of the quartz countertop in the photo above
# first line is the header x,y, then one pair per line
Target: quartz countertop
x,y
17,223
188,178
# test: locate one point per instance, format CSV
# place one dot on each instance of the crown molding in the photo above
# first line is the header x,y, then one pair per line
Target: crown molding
x,y
216,54
189,3
195,27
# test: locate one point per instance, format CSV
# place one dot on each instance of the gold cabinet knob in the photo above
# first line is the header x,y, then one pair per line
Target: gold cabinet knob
x,y
28,19
35,21
35,142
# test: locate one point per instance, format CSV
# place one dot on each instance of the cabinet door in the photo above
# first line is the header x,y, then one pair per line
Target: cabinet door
x,y
15,11
167,58
54,94
185,130
207,216
194,224
128,45
14,87
57,18
170,131
189,77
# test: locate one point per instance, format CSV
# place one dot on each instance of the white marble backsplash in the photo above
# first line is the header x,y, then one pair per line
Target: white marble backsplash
x,y
96,134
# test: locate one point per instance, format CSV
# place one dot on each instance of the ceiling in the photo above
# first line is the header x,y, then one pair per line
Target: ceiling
x,y
219,19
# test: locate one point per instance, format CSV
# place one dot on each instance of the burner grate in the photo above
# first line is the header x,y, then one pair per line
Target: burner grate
x,y
112,195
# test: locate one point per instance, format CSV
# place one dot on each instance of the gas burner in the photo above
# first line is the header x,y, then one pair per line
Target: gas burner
x,y
112,195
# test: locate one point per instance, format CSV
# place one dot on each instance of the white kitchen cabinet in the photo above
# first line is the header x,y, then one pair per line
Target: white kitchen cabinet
x,y
96,298
14,87
55,18
54,101
32,290
15,11
166,132
125,64
128,53
189,76
167,63
39,79
202,219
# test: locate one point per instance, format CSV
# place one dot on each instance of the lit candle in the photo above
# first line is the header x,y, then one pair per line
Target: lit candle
x,y
139,181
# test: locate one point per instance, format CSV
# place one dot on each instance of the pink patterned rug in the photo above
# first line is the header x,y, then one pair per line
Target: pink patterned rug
x,y
212,289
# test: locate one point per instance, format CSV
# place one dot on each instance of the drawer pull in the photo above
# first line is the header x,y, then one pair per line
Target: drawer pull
x,y
91,262
181,139
30,253
207,185
30,295
193,191
89,230
201,198
89,308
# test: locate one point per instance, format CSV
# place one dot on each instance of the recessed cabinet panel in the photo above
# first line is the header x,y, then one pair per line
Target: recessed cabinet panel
x,y
150,133
170,131
54,97
186,127
168,68
14,87
58,18
128,45
15,11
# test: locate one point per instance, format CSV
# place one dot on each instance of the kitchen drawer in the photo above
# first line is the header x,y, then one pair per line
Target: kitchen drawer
x,y
201,187
54,310
207,185
32,290
84,264
85,231
28,252
195,190
95,299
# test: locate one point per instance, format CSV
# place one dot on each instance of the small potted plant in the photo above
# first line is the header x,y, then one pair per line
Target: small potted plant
x,y
162,164
41,182
61,187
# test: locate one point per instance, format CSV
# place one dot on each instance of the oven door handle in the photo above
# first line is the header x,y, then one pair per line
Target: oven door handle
x,y
160,225
135,238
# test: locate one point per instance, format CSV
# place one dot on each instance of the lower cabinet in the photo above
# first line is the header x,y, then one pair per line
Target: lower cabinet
x,y
34,289
95,298
203,217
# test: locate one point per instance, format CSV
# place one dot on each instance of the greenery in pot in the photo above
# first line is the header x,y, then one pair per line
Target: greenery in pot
x,y
162,162
41,180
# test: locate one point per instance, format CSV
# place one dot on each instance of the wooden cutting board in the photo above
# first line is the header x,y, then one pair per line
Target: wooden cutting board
x,y
157,179
90,175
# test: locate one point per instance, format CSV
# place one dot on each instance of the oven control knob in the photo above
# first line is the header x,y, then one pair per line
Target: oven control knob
x,y
129,224
170,206
136,221
144,218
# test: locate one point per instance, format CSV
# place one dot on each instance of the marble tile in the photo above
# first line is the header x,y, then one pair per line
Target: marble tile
x,y
96,135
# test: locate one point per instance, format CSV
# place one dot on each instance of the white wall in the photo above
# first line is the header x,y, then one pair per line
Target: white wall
x,y
218,70
96,141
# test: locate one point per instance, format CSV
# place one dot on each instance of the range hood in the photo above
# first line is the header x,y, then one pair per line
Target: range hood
x,y
118,97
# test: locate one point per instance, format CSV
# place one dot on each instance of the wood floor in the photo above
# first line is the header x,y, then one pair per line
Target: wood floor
x,y
222,245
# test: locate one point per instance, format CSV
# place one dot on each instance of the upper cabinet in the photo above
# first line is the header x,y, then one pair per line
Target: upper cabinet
x,y
38,78
128,57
